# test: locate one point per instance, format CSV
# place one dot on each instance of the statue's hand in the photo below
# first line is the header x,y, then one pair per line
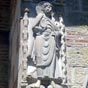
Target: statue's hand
x,y
41,15
37,19
28,58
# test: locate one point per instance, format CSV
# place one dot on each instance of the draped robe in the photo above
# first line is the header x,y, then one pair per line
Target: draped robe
x,y
45,50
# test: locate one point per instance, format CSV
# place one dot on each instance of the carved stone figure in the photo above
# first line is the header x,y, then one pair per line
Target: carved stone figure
x,y
44,47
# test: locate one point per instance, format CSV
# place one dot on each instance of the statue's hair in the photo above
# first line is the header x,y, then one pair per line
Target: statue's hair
x,y
42,5
43,2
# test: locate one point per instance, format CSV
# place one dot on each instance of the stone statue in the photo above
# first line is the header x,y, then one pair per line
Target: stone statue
x,y
44,44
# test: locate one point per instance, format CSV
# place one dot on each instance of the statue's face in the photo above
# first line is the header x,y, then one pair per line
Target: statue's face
x,y
47,7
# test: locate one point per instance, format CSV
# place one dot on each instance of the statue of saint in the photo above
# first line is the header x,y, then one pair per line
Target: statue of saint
x,y
44,44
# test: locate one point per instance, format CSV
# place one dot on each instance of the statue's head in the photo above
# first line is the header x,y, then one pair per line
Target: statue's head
x,y
46,7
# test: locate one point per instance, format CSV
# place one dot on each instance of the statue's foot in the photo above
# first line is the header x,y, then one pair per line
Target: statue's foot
x,y
50,86
34,85
54,85
42,86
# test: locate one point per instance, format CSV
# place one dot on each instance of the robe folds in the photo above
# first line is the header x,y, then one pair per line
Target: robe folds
x,y
45,51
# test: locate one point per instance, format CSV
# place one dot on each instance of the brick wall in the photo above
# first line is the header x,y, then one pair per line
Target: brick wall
x,y
4,15
4,42
76,21
7,13
4,61
77,56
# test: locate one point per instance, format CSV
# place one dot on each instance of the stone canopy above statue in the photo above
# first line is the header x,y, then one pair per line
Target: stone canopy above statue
x,y
43,49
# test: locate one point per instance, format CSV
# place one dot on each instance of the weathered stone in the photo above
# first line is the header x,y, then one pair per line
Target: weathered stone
x,y
78,56
43,48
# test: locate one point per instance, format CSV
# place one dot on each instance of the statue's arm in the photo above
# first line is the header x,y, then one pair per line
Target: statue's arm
x,y
37,19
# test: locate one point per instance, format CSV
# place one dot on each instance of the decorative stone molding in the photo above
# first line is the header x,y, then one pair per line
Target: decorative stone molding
x,y
45,36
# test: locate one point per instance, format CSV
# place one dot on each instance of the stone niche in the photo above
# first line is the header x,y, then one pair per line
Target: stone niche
x,y
42,48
